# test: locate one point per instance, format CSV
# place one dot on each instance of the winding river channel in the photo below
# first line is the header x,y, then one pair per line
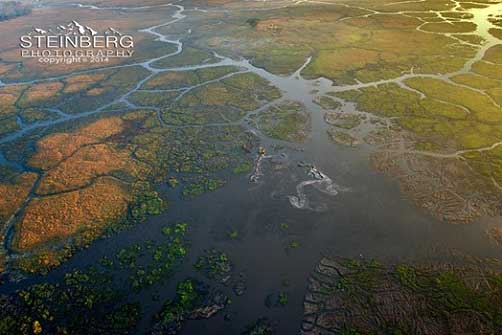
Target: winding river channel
x,y
340,207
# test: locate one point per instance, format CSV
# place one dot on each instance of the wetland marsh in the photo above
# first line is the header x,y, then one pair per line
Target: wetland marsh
x,y
258,167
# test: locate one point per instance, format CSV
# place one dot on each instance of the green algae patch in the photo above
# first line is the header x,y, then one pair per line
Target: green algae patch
x,y
243,167
188,296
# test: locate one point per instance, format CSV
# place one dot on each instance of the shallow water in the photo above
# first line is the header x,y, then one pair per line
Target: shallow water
x,y
366,217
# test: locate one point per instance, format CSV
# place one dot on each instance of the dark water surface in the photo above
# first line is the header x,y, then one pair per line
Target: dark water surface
x,y
369,217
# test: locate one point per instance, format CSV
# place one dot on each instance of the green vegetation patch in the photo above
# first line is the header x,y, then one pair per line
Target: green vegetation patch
x,y
8,125
200,185
251,82
184,79
32,115
496,32
85,301
214,264
450,27
447,115
480,105
342,137
327,102
341,120
224,101
152,99
449,300
193,300
146,202
262,326
150,263
83,96
287,121
189,56
476,81
487,69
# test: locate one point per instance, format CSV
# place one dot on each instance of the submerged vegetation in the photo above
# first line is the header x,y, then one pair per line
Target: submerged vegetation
x,y
194,300
151,262
91,300
262,326
201,185
213,264
83,302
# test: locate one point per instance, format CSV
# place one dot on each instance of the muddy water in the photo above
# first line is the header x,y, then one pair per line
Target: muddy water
x,y
367,217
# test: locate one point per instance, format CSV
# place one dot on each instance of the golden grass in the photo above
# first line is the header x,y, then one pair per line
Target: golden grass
x,y
476,81
496,94
496,32
450,27
494,54
54,148
473,39
336,62
489,70
56,218
89,162
14,193
96,91
40,92
169,78
84,187
8,99
81,82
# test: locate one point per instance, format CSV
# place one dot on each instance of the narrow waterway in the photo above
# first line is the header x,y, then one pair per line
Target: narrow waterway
x,y
366,217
